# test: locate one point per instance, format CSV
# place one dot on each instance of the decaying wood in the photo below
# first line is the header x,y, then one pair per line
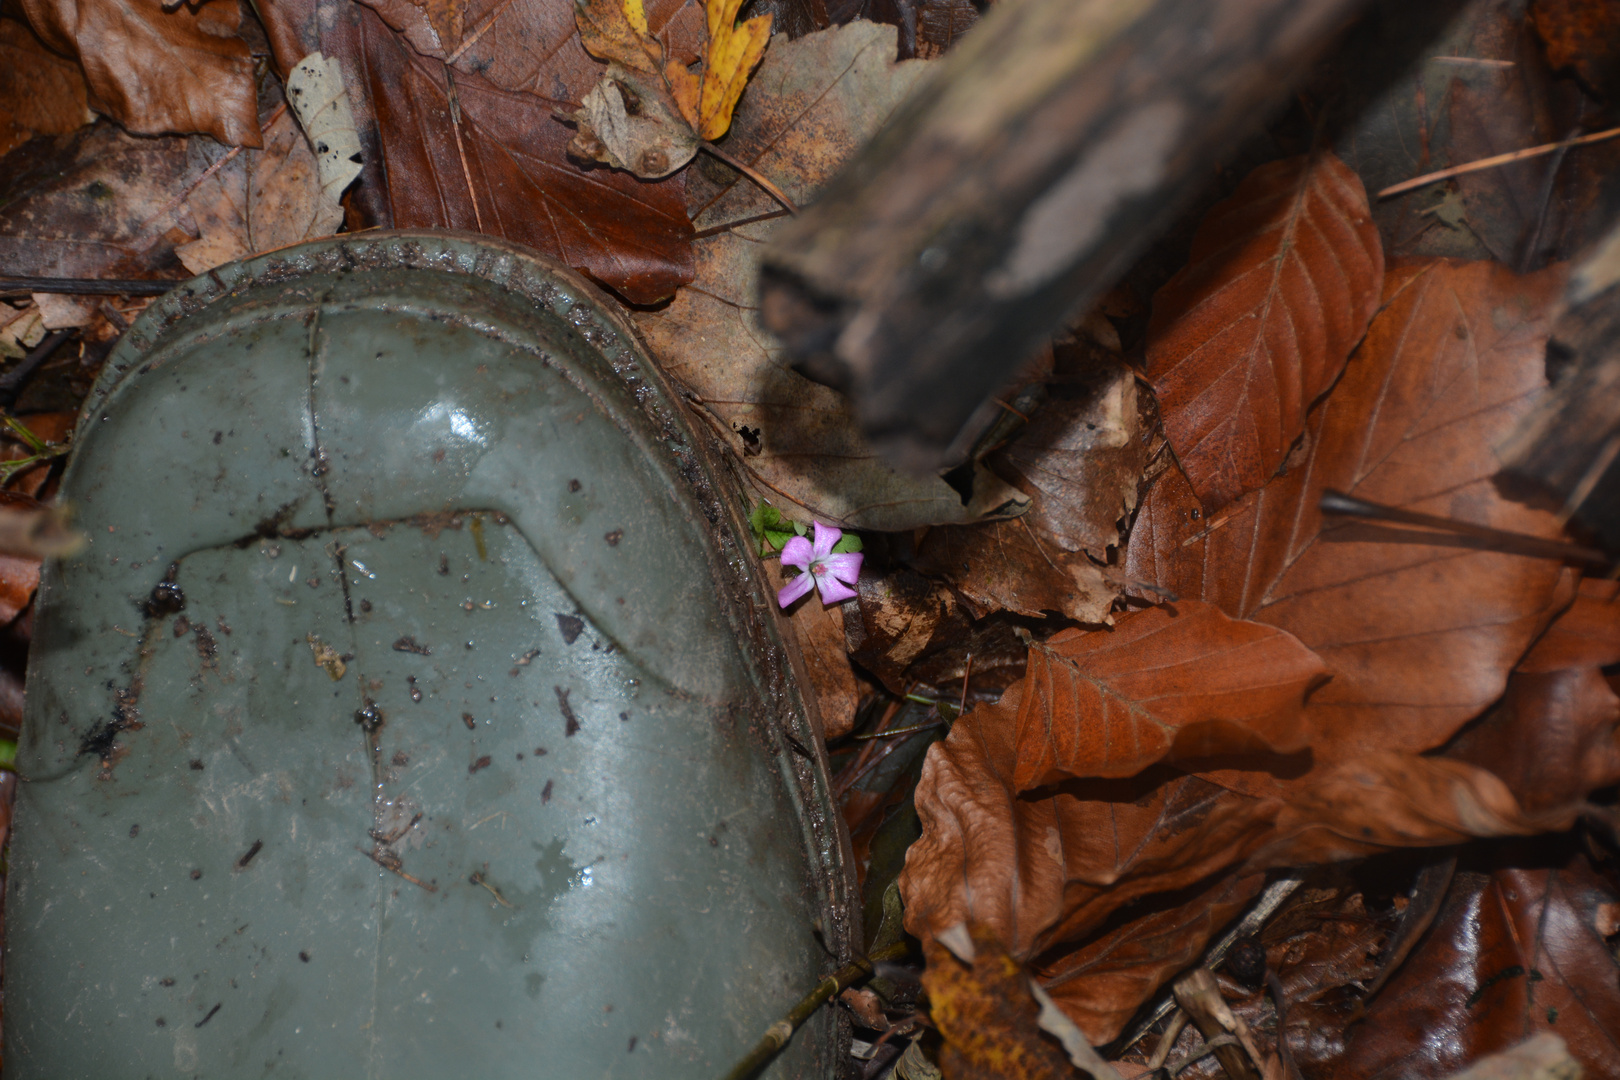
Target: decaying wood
x,y
1015,184
1568,447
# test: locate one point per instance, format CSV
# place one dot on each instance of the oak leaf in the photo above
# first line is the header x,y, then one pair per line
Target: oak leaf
x,y
157,70
1282,281
1165,684
1418,630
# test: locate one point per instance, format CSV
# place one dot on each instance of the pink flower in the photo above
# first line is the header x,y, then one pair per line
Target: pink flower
x,y
822,570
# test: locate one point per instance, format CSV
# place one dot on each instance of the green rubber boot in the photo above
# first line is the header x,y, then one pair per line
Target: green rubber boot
x,y
415,710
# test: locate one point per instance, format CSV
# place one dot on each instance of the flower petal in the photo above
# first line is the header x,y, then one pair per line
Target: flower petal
x,y
797,552
795,588
832,590
826,537
846,567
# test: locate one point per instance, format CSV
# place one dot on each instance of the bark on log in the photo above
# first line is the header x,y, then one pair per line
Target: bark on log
x,y
1020,181
1566,450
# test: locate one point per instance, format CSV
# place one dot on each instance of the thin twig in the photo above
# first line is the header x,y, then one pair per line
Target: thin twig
x,y
1513,543
716,230
778,1034
1167,1041
1492,162
892,732
1263,909
472,39
22,286
752,174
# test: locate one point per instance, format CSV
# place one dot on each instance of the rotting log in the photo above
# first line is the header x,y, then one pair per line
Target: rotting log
x,y
1566,450
1027,173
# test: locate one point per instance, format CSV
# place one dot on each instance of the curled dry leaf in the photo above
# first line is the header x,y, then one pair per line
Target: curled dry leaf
x,y
40,93
1047,867
1165,684
908,630
1282,281
1079,461
155,70
989,1017
1515,950
260,200
1418,630
1101,984
1005,565
1392,800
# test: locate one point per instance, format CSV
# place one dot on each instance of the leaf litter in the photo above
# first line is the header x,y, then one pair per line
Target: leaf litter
x,y
1165,676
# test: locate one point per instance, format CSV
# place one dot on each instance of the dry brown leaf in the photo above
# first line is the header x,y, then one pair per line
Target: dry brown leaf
x,y
819,634
1282,281
1101,984
40,93
157,71
1515,950
259,201
1004,565
1171,683
98,203
1392,800
1049,866
628,234
1552,738
1418,630
908,630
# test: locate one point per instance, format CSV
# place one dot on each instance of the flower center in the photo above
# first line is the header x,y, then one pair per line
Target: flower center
x,y
818,568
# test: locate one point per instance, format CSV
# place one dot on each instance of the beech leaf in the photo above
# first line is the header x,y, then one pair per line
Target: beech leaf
x,y
1166,683
1282,281
1418,630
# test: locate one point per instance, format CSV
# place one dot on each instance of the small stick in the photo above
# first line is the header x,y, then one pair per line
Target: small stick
x,y
86,286
752,174
1167,1041
1474,60
1263,909
476,878
13,381
778,1034
1335,502
891,733
961,706
1492,162
392,865
1200,997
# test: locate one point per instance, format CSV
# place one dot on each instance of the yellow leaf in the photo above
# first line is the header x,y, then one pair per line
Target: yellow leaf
x,y
607,30
729,58
636,15
685,88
